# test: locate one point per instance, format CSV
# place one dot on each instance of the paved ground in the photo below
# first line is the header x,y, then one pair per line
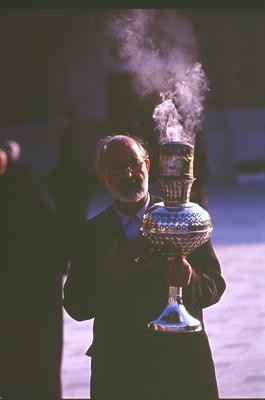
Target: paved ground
x,y
236,325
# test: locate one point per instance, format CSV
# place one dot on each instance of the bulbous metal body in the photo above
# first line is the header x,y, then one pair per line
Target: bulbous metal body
x,y
176,226
181,229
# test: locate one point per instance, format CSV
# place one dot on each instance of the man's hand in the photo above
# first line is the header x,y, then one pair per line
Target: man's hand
x,y
134,256
178,271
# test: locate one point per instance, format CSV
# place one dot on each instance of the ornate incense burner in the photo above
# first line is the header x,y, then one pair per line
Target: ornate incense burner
x,y
176,225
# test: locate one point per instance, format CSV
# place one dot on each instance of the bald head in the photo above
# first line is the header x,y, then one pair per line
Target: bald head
x,y
117,143
122,165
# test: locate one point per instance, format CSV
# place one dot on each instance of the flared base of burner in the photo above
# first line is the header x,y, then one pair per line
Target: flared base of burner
x,y
175,319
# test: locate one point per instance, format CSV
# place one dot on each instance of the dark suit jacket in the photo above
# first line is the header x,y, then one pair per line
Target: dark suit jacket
x,y
128,361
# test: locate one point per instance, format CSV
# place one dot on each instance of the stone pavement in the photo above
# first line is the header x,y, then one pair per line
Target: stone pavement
x,y
236,325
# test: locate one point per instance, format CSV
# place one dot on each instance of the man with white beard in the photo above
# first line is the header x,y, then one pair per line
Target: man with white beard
x,y
120,280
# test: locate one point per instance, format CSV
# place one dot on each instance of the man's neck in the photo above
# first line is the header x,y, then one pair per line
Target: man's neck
x,y
131,208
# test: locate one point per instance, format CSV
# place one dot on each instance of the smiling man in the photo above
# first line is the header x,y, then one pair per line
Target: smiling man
x,y
120,280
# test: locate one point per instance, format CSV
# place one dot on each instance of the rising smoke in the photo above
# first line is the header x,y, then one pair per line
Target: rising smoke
x,y
160,49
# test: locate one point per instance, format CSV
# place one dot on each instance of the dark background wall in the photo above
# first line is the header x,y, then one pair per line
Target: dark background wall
x,y
54,61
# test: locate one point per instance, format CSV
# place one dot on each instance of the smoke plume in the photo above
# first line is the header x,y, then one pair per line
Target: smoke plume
x,y
160,49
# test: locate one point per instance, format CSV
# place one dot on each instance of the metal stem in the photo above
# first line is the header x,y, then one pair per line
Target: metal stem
x,y
175,294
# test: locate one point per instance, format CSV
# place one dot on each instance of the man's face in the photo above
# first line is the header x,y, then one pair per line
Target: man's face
x,y
126,171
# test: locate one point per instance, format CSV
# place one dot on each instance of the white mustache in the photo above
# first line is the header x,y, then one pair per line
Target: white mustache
x,y
133,184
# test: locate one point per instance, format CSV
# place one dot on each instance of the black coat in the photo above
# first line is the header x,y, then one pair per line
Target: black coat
x,y
31,271
129,361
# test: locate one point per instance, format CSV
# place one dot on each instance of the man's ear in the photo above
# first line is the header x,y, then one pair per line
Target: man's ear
x,y
148,164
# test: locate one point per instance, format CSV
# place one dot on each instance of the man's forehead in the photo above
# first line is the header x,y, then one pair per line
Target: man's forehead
x,y
123,147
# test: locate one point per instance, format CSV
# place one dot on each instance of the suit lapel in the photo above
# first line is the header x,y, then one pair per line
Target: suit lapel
x,y
113,224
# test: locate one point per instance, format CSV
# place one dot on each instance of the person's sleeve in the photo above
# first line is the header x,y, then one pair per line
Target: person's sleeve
x,y
78,295
207,284
79,287
87,289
